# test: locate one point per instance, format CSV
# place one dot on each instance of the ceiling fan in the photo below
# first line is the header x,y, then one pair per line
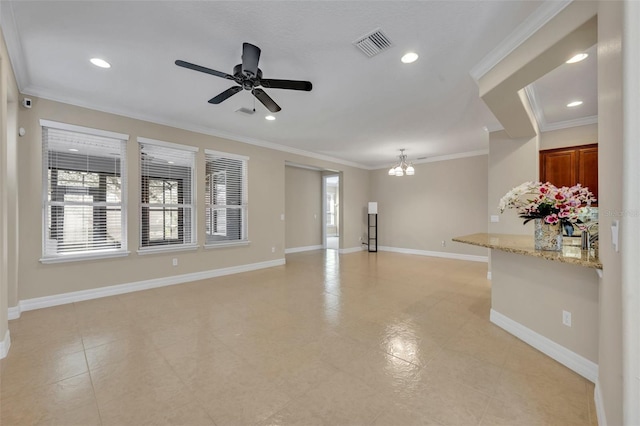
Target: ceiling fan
x,y
249,77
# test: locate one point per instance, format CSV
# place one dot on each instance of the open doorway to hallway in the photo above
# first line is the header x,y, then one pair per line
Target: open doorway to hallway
x,y
331,211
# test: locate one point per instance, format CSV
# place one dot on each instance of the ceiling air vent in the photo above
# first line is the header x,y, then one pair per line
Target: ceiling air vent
x,y
373,43
247,111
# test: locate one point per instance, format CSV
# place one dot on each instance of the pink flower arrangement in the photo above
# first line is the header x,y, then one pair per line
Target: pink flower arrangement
x,y
537,200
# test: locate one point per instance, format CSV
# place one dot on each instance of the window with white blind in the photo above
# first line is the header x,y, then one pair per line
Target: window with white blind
x,y
84,185
226,198
167,211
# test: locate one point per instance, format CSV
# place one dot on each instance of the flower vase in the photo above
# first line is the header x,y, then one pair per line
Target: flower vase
x,y
547,236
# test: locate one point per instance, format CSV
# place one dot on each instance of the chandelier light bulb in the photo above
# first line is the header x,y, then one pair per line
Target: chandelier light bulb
x,y
402,167
410,170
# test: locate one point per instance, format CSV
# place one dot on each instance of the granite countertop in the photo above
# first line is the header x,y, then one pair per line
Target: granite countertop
x,y
523,244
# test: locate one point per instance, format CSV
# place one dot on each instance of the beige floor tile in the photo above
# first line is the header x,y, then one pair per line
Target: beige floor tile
x,y
447,402
23,374
403,416
294,414
67,402
328,339
449,365
117,351
344,400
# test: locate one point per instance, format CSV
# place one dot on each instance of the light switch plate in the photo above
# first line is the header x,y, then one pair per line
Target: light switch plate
x,y
495,218
615,226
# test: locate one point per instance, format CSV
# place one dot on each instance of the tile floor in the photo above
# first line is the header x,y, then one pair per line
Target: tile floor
x,y
357,339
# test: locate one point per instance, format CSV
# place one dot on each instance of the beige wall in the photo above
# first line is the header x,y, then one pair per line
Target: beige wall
x,y
511,162
444,199
573,136
266,204
538,303
8,186
303,207
610,152
609,128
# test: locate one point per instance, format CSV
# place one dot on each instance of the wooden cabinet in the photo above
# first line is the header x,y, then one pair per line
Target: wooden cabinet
x,y
570,166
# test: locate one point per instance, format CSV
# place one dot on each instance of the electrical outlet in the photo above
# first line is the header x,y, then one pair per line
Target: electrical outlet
x,y
175,261
444,243
273,249
495,218
566,318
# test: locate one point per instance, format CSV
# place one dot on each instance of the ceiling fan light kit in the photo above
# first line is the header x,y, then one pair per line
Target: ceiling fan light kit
x,y
249,77
402,167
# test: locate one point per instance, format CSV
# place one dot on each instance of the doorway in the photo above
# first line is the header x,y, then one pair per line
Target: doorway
x,y
331,211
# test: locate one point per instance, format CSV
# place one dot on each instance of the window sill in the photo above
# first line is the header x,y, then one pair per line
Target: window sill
x,y
78,258
227,244
167,249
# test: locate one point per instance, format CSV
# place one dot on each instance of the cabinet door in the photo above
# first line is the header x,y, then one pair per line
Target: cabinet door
x,y
588,168
558,167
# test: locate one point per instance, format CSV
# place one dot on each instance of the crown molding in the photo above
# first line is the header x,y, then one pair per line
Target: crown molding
x,y
526,29
14,46
582,121
45,94
467,154
534,103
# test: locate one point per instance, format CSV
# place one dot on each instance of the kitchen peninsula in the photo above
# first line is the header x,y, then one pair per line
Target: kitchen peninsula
x,y
548,299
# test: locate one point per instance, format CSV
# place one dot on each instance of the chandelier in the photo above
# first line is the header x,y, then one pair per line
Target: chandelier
x,y
402,167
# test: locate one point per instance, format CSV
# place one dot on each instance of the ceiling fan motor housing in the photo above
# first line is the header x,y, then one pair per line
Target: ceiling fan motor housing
x,y
246,79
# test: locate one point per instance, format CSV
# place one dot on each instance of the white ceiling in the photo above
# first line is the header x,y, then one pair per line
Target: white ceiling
x,y
550,94
360,110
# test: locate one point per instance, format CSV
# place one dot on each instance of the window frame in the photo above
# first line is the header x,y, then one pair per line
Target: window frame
x,y
243,207
99,253
167,245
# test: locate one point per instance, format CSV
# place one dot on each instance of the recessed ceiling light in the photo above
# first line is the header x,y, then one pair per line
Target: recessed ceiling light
x,y
73,150
170,162
577,58
409,57
270,117
100,63
574,104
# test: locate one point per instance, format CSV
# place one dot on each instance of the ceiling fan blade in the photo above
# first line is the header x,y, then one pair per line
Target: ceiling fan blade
x,y
250,58
203,69
266,100
286,84
225,95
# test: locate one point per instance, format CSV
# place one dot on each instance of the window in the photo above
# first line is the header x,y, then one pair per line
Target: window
x,y
84,187
226,198
167,211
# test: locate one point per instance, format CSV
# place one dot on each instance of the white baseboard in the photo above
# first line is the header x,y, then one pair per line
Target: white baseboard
x,y
301,249
351,250
599,403
489,275
456,256
96,293
5,344
13,312
584,367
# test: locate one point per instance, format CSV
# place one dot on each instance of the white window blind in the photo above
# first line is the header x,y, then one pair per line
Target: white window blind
x,y
226,198
167,213
84,182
